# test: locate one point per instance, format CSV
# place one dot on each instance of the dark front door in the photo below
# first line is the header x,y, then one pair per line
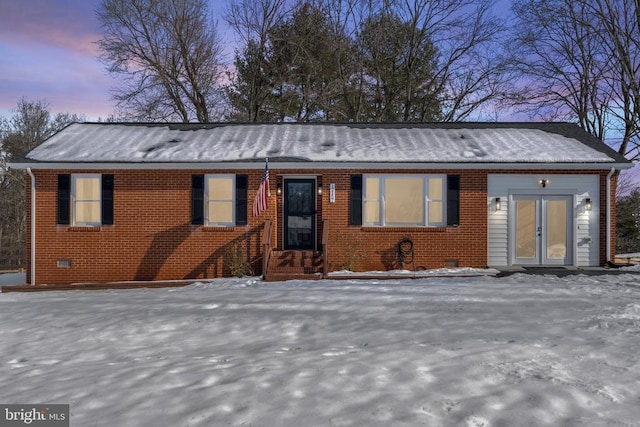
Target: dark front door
x,y
299,214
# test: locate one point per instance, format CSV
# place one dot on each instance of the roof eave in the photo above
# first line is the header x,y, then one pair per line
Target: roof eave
x,y
317,165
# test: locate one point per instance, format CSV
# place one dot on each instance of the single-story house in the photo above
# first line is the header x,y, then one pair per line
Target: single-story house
x,y
134,201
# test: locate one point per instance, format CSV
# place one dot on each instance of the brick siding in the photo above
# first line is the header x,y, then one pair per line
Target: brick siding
x,y
152,237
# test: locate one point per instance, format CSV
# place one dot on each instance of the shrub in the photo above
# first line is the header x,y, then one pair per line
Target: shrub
x,y
235,260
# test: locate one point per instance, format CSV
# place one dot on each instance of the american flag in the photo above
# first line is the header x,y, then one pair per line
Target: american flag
x,y
260,203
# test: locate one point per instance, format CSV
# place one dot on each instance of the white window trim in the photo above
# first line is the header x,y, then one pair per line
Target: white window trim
x,y
74,178
208,223
382,202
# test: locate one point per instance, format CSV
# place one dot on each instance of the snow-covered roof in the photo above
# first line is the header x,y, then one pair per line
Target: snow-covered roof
x,y
472,143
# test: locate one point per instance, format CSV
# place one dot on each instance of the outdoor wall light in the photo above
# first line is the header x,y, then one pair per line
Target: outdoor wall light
x,y
278,189
319,189
498,204
587,204
544,182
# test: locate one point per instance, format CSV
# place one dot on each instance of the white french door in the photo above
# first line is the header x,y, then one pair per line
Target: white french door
x,y
542,232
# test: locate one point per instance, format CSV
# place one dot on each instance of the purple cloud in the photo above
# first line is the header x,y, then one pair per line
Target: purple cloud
x,y
48,52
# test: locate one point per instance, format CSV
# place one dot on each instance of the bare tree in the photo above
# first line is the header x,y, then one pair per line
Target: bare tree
x,y
580,60
469,73
168,54
30,124
616,25
561,64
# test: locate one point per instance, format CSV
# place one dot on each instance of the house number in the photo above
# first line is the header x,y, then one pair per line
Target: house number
x,y
332,193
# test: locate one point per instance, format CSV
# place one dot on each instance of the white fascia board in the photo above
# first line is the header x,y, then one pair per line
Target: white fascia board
x,y
315,166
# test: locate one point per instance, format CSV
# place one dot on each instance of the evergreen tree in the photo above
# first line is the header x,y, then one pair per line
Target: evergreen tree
x,y
400,64
627,223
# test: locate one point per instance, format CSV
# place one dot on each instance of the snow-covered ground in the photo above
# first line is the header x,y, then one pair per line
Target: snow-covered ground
x,y
517,351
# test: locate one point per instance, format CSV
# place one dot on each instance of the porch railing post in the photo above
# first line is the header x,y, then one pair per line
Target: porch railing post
x,y
266,245
325,248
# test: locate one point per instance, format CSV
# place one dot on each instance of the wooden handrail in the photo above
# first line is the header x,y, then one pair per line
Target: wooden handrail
x,y
325,249
266,245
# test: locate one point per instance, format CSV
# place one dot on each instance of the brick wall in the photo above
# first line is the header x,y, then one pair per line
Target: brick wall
x,y
152,237
376,248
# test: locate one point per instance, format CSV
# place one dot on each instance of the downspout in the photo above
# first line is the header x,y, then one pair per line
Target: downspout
x,y
33,226
609,175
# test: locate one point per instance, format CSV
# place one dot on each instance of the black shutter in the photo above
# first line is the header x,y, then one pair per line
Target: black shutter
x,y
355,200
453,199
241,199
197,199
107,199
64,199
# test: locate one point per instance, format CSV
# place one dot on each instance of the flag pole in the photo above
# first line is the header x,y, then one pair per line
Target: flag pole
x,y
269,184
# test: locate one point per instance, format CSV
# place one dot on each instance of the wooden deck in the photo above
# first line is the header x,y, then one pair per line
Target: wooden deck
x,y
294,265
97,286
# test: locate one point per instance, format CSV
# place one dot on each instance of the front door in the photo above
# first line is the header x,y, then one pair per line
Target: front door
x,y
299,213
543,230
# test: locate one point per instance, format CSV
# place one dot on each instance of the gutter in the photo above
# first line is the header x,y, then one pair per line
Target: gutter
x,y
608,233
316,165
33,226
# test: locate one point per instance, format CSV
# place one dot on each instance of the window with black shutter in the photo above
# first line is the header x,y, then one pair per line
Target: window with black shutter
x,y
355,200
219,200
241,199
197,199
404,200
107,200
64,199
85,199
453,199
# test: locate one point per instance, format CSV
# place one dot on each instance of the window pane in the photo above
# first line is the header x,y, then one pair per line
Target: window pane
x,y
87,212
526,228
372,187
436,204
86,199
220,188
87,188
436,188
556,229
436,216
404,200
220,212
300,197
372,200
372,212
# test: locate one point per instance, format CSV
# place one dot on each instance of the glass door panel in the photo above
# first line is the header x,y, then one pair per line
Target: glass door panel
x,y
556,229
542,230
527,230
299,214
558,226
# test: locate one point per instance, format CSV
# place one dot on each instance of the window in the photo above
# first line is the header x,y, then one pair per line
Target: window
x,y
85,199
404,200
219,200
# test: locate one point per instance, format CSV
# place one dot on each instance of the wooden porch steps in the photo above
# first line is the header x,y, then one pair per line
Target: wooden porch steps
x,y
293,264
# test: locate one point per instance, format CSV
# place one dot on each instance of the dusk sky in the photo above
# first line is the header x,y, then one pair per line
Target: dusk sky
x,y
48,52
